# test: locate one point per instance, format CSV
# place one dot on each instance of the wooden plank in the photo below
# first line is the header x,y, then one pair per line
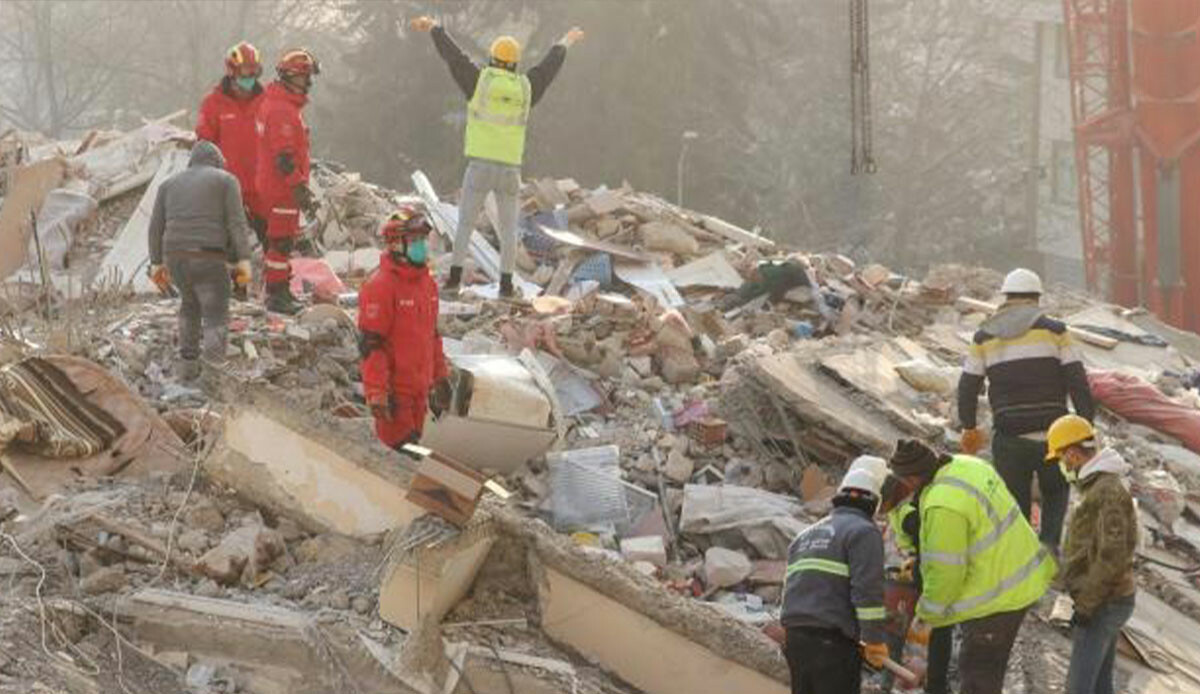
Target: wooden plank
x,y
735,233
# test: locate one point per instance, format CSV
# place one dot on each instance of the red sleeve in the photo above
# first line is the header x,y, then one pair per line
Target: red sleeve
x,y
284,133
375,316
440,369
208,122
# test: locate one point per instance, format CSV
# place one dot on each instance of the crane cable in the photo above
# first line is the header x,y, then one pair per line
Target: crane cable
x,y
862,157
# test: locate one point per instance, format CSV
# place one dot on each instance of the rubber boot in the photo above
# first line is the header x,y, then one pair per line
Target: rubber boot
x,y
455,278
506,286
280,299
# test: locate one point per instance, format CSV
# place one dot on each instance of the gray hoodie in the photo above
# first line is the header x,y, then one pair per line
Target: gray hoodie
x,y
200,209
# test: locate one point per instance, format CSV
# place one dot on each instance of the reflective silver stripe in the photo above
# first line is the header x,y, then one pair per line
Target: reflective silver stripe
x,y
276,264
998,526
1004,586
284,210
870,614
985,543
944,558
967,487
479,109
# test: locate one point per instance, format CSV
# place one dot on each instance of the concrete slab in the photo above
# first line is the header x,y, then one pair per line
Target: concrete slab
x,y
422,582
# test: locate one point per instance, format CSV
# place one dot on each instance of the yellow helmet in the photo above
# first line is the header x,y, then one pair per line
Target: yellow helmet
x,y
506,49
1066,431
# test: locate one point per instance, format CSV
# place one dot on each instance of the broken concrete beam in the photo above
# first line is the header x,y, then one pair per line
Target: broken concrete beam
x,y
242,555
327,474
426,578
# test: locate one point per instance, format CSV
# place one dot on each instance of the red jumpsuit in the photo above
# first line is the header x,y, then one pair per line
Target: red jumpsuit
x,y
397,316
281,130
228,122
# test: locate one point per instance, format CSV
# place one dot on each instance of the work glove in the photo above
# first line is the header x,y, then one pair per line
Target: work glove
x,y
242,273
422,23
161,278
439,397
571,37
381,405
303,196
972,441
875,654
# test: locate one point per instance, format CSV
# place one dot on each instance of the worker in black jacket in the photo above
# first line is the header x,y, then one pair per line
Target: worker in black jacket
x,y
833,594
1031,367
499,101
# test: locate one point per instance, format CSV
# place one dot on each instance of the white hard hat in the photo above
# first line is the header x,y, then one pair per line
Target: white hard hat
x,y
1022,281
867,473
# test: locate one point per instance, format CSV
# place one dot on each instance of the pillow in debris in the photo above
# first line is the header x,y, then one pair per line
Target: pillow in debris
x,y
65,424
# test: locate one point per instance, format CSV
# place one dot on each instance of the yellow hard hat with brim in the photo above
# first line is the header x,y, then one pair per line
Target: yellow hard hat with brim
x,y
506,49
1066,431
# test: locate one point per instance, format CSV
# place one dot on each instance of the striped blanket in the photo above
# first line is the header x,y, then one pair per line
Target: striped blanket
x,y
67,425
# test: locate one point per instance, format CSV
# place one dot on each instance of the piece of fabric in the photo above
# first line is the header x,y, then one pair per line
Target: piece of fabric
x,y
228,122
65,424
281,130
986,646
823,661
199,209
1103,536
834,577
1142,403
204,290
979,556
466,72
1031,366
399,302
504,181
1019,460
1094,647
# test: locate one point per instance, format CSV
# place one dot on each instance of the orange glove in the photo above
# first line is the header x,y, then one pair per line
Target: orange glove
x,y
422,23
875,654
571,37
241,273
906,571
161,278
972,441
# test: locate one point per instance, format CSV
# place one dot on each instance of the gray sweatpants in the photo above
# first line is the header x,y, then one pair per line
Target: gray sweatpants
x,y
204,288
505,181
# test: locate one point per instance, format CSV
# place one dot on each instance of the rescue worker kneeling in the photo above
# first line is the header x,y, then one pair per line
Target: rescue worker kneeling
x,y
833,597
403,367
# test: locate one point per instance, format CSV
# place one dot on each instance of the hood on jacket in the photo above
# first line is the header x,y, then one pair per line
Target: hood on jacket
x,y
205,153
1107,460
1013,320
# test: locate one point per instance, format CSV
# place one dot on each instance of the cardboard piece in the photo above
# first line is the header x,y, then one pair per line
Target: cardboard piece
x,y
712,270
444,486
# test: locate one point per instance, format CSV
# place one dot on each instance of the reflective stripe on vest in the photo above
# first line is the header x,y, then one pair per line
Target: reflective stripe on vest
x,y
868,614
1007,584
828,566
496,116
999,526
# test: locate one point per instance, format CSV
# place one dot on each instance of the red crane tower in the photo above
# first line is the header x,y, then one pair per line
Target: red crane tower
x,y
1135,101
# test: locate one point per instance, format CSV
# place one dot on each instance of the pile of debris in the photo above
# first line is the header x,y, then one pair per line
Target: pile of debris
x,y
606,506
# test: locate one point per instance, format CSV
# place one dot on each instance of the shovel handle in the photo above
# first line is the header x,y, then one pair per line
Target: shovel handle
x,y
899,670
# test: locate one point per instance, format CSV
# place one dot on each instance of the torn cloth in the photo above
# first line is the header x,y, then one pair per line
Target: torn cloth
x,y
34,391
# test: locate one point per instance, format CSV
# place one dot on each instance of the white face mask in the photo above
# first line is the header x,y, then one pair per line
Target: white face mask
x,y
1071,475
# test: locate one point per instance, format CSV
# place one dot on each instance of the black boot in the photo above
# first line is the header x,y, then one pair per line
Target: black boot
x,y
455,278
280,299
506,285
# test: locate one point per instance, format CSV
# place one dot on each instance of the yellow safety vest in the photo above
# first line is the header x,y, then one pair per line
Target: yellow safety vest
x,y
496,117
1006,568
896,520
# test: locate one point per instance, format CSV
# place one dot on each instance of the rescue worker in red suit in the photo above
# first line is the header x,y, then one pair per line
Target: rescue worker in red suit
x,y
227,119
404,370
281,173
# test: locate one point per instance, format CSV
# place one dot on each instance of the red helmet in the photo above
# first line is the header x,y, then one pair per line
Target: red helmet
x,y
239,58
406,221
298,61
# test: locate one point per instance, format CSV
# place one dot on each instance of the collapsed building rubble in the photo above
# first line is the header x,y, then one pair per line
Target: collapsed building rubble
x,y
605,507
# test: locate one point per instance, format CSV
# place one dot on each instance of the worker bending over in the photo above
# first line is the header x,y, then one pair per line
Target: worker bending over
x,y
403,366
1098,555
981,563
281,171
1031,366
500,99
833,596
227,119
198,225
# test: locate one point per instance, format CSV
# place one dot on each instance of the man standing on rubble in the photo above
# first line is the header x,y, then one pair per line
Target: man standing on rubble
x,y
197,225
281,171
1031,366
500,99
403,366
981,563
833,594
226,119
1098,556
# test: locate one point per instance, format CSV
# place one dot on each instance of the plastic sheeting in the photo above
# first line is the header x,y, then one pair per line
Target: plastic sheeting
x,y
62,211
1142,403
741,518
